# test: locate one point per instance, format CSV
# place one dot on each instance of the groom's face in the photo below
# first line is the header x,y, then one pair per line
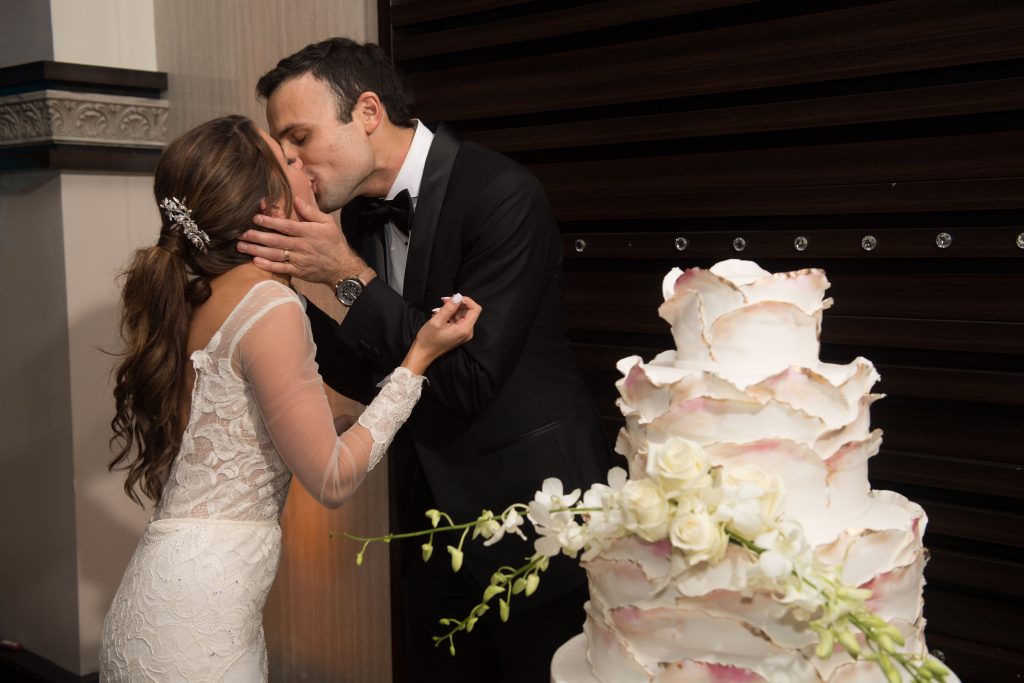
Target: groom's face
x,y
302,114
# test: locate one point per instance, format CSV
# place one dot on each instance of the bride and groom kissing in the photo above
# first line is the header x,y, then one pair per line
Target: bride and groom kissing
x,y
219,394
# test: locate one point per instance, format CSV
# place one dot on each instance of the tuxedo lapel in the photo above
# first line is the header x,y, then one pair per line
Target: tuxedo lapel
x,y
369,243
436,173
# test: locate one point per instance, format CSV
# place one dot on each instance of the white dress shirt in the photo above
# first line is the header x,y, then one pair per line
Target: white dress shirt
x,y
408,178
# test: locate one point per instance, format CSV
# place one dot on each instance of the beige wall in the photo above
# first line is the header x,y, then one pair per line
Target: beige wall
x,y
214,52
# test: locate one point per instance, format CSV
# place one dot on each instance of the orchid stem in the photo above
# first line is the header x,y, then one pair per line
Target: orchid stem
x,y
409,534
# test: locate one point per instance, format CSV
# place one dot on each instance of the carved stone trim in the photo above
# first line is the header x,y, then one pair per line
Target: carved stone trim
x,y
63,117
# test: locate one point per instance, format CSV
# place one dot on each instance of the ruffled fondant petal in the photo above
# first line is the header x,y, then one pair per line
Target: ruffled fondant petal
x,y
709,421
803,288
769,333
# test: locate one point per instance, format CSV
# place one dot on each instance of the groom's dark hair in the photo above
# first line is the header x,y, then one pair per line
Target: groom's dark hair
x,y
350,69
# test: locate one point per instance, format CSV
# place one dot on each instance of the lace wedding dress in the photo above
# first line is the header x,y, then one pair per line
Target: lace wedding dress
x,y
189,607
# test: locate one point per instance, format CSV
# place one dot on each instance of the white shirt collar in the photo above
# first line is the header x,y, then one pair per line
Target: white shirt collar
x,y
411,173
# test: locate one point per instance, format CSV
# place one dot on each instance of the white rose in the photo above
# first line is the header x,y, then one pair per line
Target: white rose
x,y
645,509
699,537
751,499
679,465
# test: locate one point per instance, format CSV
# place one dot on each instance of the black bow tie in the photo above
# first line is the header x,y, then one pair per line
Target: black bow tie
x,y
377,212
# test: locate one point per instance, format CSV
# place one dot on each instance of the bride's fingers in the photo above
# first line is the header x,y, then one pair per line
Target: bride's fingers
x,y
445,312
456,299
461,313
455,309
468,313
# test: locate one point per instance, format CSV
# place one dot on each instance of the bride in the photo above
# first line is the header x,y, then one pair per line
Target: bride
x,y
218,404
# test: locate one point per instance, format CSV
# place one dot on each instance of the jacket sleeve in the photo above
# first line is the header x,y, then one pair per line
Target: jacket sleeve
x,y
340,365
507,266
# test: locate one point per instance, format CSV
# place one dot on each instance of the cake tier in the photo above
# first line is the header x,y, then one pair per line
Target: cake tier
x,y
809,426
702,626
738,313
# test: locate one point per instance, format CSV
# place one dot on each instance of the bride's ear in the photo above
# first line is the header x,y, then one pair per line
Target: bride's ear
x,y
267,209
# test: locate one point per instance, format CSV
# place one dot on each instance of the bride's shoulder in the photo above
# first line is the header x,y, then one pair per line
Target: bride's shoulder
x,y
238,297
274,289
248,281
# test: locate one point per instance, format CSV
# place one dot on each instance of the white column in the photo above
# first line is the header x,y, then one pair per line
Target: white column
x,y
38,572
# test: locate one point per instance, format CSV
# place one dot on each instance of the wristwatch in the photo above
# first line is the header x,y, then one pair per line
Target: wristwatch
x,y
348,290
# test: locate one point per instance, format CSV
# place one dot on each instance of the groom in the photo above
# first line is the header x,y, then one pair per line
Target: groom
x,y
501,413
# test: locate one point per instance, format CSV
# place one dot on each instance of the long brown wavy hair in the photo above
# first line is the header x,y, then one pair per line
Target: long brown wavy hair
x,y
221,170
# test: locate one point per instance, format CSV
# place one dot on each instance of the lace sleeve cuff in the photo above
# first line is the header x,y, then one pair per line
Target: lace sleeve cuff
x,y
390,409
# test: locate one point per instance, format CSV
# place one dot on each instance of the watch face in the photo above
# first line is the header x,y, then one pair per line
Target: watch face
x,y
349,291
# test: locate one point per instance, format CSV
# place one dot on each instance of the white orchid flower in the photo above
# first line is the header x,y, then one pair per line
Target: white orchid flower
x,y
486,526
547,543
512,523
552,496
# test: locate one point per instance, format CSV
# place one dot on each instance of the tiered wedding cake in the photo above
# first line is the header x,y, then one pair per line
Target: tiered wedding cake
x,y
745,383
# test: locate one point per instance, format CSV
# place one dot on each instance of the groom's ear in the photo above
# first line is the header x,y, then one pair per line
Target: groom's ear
x,y
369,111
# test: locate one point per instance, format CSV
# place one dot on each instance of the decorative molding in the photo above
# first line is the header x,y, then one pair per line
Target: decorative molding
x,y
78,117
64,117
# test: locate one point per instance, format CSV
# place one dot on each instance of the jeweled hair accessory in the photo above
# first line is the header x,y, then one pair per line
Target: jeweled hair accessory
x,y
181,215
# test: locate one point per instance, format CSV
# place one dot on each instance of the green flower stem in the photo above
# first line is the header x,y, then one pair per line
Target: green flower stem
x,y
387,538
410,534
882,653
872,637
480,608
740,541
914,666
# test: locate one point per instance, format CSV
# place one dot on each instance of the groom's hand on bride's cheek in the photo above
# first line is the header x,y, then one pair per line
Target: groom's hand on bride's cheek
x,y
312,248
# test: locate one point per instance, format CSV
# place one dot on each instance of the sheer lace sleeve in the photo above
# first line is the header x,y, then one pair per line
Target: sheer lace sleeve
x,y
390,409
276,355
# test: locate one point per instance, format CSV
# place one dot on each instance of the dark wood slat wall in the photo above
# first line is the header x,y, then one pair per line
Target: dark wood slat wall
x,y
664,130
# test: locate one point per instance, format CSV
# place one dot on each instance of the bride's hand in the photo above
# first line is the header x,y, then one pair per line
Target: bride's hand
x,y
450,326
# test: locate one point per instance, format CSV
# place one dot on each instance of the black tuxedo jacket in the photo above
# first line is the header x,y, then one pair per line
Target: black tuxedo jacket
x,y
507,409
